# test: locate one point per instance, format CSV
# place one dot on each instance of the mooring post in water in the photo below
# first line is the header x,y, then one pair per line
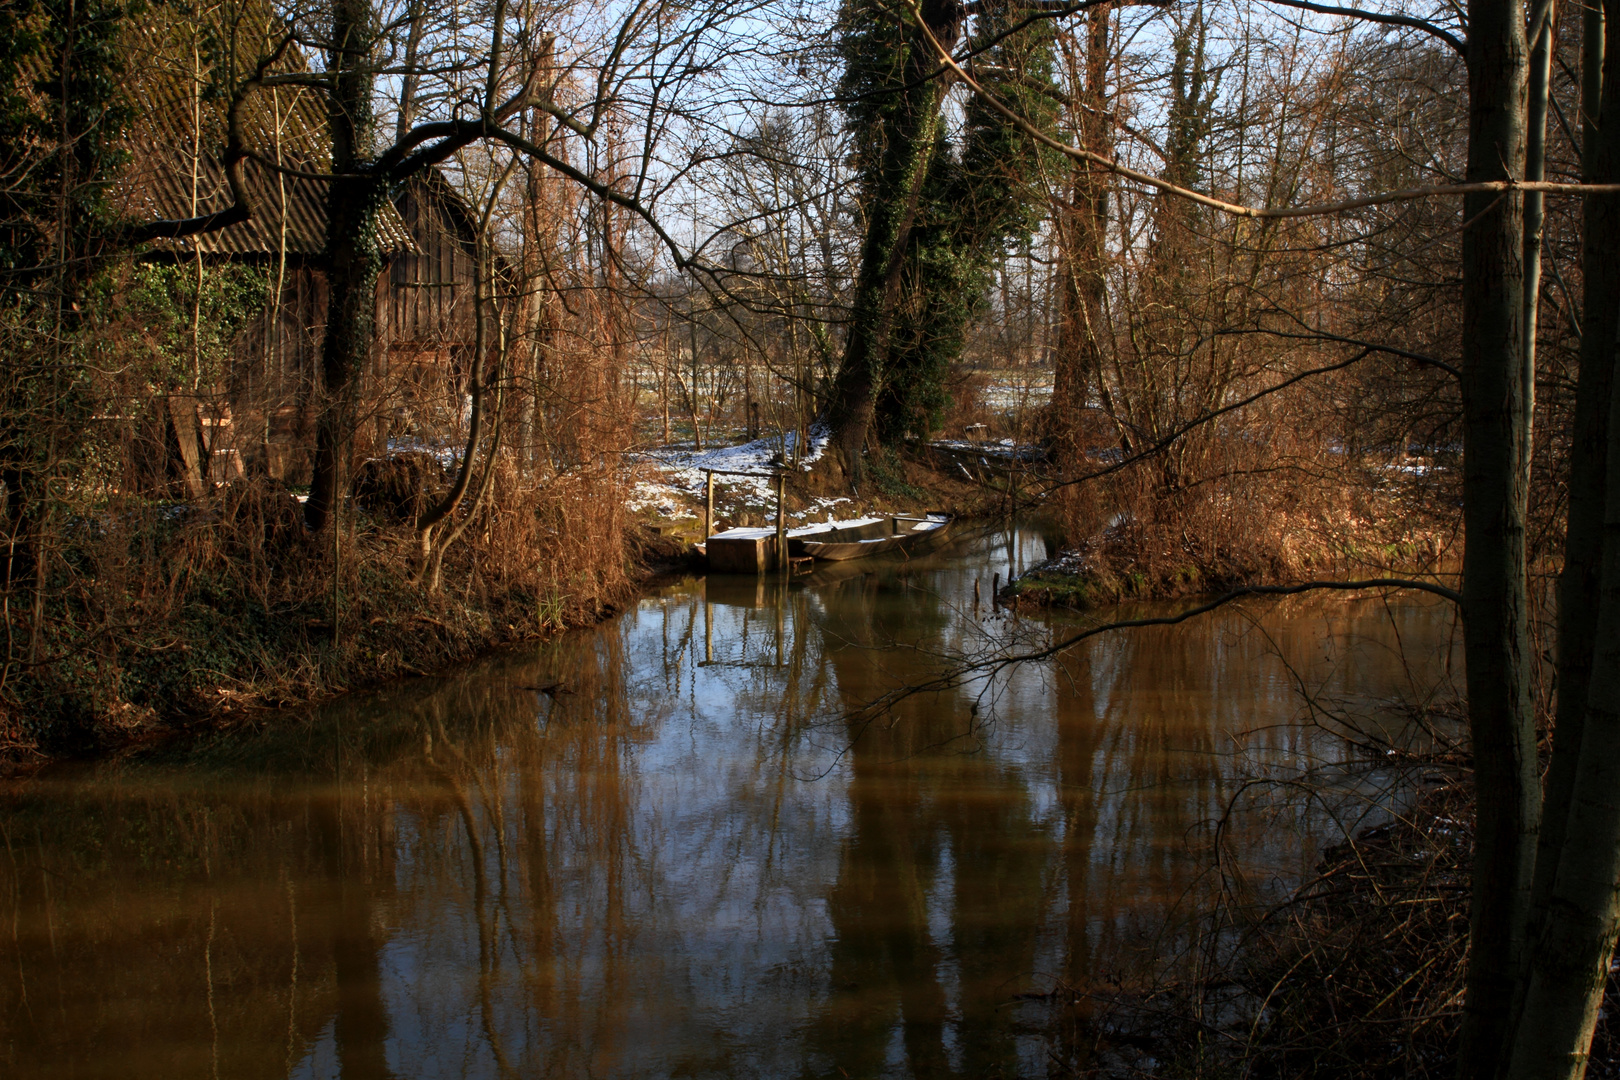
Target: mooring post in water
x,y
708,503
781,521
781,621
995,591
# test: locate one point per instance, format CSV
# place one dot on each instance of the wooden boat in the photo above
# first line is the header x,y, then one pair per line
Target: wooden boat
x,y
836,542
753,551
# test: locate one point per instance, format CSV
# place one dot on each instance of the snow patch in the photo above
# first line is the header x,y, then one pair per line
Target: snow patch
x,y
677,472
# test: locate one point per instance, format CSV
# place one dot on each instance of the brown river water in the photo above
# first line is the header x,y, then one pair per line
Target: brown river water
x,y
683,860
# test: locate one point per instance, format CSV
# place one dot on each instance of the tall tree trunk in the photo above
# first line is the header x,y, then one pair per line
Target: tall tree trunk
x,y
1600,321
353,255
536,315
1082,229
1495,483
1578,877
416,15
893,210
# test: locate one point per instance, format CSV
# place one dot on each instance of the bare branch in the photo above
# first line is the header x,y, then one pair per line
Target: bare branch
x,y
1323,335
1457,44
1484,187
439,140
992,666
233,160
1165,443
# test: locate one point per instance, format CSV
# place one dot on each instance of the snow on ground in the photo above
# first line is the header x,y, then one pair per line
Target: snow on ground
x,y
448,454
670,475
1005,449
808,530
1011,396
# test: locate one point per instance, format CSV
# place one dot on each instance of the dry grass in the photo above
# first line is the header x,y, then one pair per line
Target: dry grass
x,y
160,614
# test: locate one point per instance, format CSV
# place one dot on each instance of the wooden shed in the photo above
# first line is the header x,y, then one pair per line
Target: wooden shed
x,y
259,415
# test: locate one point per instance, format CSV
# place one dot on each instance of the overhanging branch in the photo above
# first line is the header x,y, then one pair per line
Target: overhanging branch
x,y
1269,213
1457,44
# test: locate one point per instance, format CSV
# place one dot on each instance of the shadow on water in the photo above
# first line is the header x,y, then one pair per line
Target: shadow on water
x,y
661,849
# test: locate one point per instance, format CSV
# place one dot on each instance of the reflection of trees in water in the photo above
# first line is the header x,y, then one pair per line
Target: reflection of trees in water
x,y
936,909
145,941
531,809
478,878
1156,734
235,926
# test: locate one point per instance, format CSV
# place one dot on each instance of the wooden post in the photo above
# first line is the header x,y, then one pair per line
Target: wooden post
x,y
708,503
781,521
194,471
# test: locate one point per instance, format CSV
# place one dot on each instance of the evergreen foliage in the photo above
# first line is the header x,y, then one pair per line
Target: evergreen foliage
x,y
62,117
981,193
188,316
1193,89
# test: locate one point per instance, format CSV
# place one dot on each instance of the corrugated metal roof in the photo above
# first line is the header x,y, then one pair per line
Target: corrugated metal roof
x,y
179,134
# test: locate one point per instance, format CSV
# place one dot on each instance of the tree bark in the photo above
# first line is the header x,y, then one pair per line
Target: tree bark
x,y
353,255
1082,228
1495,485
1579,583
1577,912
535,308
893,210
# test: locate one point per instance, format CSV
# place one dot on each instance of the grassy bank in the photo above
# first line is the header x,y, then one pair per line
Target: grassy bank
x,y
1130,547
161,617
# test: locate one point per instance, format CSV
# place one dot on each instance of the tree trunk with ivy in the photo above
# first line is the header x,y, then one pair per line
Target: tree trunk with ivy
x,y
354,258
939,213
897,117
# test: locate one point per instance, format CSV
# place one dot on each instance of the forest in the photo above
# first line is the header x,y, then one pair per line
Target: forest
x,y
346,341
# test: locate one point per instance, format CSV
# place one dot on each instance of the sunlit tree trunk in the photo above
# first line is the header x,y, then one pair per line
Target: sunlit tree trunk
x,y
535,309
1495,488
1082,227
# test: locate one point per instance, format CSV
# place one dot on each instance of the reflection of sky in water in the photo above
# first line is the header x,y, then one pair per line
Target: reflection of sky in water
x,y
680,864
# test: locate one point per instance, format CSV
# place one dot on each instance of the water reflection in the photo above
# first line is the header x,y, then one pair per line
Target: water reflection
x,y
658,850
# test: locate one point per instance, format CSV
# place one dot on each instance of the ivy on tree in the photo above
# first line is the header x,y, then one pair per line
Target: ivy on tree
x,y
941,206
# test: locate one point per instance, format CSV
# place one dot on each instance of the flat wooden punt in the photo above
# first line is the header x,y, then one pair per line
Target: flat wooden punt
x,y
753,551
889,534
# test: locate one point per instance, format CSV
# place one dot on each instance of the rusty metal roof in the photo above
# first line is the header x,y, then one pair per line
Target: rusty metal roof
x,y
179,133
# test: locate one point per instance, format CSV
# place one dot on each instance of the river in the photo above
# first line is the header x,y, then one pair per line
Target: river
x,y
660,847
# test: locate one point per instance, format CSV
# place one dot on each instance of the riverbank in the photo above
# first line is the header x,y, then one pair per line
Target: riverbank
x,y
670,486
1393,529
232,610
218,650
